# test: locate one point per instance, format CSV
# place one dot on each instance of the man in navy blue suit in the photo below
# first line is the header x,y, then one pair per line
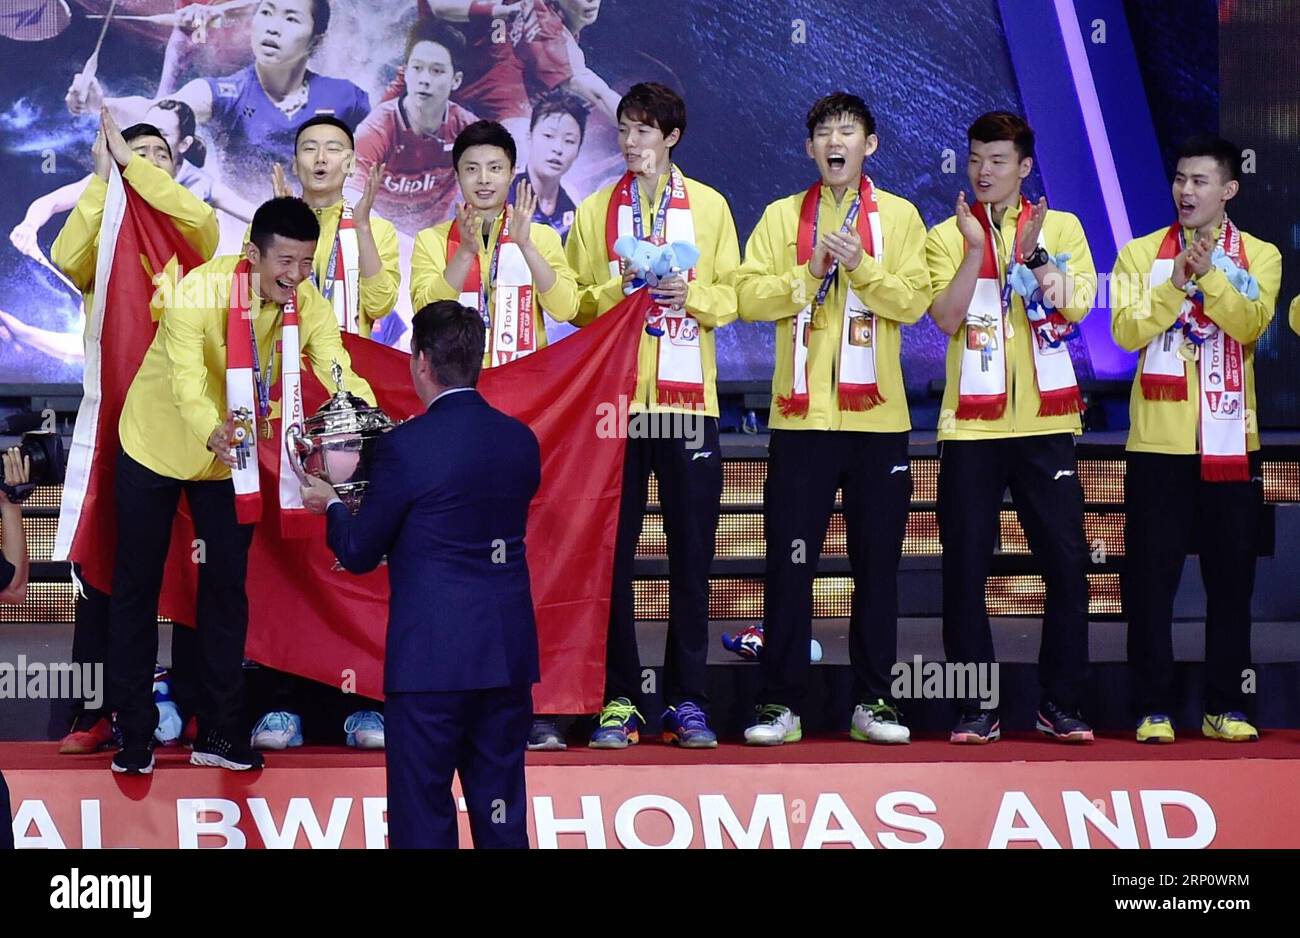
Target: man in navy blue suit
x,y
447,504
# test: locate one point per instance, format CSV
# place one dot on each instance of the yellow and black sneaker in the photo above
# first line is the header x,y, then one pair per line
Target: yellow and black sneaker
x,y
1232,727
1155,728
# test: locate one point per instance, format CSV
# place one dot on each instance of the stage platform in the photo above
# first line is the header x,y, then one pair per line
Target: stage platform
x,y
734,683
1024,791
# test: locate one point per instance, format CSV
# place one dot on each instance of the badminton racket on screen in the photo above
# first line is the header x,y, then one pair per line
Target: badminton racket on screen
x,y
33,20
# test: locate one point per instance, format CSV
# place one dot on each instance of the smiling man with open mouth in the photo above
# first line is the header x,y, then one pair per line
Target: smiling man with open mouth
x,y
1193,298
227,354
840,268
1011,280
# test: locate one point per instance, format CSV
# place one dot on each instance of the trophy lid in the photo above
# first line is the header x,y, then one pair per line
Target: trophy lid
x,y
345,412
343,399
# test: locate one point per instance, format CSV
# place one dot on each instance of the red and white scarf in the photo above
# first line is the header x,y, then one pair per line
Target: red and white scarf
x,y
512,327
983,386
858,387
1222,365
679,380
341,283
242,399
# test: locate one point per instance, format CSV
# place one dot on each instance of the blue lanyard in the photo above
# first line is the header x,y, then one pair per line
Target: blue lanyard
x,y
492,274
263,383
849,220
661,214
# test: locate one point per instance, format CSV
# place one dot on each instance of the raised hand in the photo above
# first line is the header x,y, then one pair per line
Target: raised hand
x,y
18,468
279,184
521,214
1180,276
99,153
845,247
1033,228
968,224
361,211
820,262
118,148
470,225
1198,256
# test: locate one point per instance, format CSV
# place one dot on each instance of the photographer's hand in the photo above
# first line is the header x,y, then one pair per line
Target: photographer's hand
x,y
17,470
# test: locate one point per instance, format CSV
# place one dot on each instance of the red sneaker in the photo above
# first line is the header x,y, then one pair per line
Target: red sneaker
x,y
88,734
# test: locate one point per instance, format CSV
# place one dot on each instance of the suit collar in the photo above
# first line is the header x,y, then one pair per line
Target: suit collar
x,y
456,397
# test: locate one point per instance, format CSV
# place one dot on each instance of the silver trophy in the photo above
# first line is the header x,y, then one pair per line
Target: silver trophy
x,y
336,444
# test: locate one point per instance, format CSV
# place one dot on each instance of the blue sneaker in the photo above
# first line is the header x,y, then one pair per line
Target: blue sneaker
x,y
686,725
545,736
365,729
277,730
617,726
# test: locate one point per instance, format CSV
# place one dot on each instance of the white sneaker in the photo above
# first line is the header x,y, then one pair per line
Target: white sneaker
x,y
878,723
775,725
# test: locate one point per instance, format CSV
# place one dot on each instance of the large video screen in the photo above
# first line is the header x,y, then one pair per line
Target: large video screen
x,y
747,71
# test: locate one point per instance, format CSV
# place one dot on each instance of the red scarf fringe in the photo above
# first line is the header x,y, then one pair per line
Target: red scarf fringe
x,y
793,405
865,399
1164,387
1060,402
977,407
680,395
1225,469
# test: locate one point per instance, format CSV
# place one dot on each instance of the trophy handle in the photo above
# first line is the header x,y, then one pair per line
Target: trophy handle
x,y
293,438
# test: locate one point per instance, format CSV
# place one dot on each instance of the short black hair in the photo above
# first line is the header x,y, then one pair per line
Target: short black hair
x,y
324,120
451,338
1224,152
439,32
320,17
840,104
482,134
559,101
658,105
1003,125
146,130
285,216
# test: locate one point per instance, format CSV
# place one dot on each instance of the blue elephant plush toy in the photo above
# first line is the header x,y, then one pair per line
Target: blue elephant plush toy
x,y
653,263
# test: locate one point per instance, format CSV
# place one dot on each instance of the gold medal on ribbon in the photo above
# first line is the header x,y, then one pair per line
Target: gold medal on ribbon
x,y
1189,351
819,316
266,428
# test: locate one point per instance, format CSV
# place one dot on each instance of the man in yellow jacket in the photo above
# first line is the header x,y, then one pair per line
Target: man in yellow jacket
x,y
840,268
227,354
356,269
1011,280
491,257
1193,298
149,167
673,424
356,266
